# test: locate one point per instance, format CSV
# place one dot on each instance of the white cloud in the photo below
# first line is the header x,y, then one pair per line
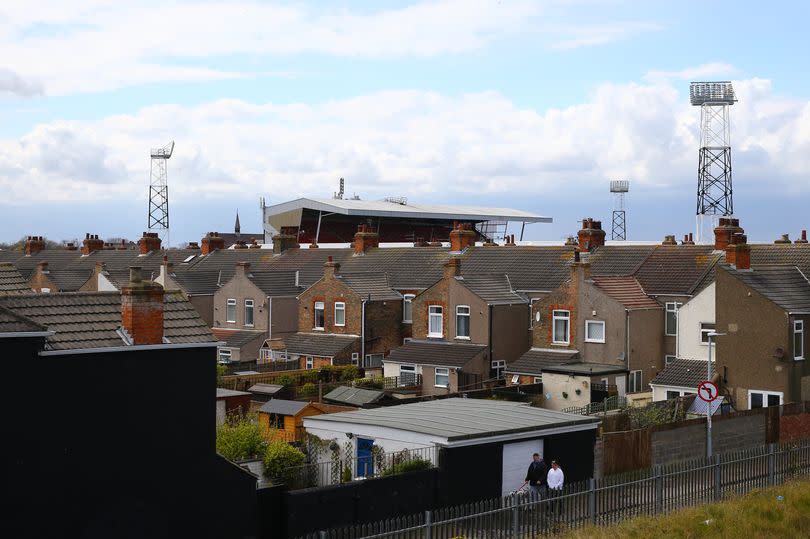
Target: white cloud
x,y
411,143
98,45
12,83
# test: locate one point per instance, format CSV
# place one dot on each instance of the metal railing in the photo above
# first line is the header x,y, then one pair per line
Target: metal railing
x,y
340,469
597,502
616,402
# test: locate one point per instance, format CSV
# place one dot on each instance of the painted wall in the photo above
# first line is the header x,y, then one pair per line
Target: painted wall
x,y
698,309
240,288
510,332
555,384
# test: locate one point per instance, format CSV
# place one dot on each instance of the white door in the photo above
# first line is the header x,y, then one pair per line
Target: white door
x,y
516,459
621,385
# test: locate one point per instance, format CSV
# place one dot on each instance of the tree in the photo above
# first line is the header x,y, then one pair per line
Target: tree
x,y
282,461
240,437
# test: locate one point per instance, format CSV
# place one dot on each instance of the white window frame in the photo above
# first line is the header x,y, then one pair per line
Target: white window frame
x,y
440,316
554,318
342,308
355,358
671,307
249,303
538,379
224,354
469,318
595,322
315,309
498,366
445,372
632,387
310,362
409,369
765,395
705,332
230,303
407,308
798,330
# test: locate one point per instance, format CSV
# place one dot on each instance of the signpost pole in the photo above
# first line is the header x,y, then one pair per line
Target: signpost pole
x,y
709,404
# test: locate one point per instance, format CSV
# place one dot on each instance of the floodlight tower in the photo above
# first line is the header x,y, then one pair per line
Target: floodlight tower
x,y
714,194
618,230
158,220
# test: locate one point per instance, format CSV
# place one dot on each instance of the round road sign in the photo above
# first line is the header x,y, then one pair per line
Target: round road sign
x,y
707,391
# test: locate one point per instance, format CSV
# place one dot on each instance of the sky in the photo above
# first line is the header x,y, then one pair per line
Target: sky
x,y
534,105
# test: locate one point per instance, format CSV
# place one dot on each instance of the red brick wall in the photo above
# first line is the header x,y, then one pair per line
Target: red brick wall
x,y
435,295
794,427
142,313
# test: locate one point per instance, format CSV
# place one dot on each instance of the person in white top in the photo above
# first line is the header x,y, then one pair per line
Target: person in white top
x,y
555,476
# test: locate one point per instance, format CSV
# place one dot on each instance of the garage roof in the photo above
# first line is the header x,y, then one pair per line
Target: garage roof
x,y
458,419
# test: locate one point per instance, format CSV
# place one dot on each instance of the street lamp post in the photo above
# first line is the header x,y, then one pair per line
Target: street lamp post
x,y
709,404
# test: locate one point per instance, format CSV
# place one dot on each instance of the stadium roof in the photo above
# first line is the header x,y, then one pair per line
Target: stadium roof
x,y
383,208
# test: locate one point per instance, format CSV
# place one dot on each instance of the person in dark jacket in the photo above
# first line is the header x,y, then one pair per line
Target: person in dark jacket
x,y
536,476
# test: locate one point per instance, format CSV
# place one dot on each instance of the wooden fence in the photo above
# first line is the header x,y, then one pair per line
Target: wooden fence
x,y
599,502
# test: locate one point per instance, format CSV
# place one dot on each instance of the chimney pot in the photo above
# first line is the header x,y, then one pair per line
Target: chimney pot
x,y
803,237
462,237
364,239
591,236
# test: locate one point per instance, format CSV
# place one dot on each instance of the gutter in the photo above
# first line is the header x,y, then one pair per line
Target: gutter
x,y
362,333
12,335
133,348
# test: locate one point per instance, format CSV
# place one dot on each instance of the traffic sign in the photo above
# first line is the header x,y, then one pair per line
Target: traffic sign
x,y
707,391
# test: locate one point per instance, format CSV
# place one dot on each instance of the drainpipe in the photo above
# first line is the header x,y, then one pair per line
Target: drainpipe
x,y
269,318
363,332
490,336
627,349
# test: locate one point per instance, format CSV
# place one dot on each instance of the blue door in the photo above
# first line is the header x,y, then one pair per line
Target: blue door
x,y
365,460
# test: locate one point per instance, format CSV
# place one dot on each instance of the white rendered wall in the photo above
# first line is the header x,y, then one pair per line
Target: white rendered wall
x,y
698,309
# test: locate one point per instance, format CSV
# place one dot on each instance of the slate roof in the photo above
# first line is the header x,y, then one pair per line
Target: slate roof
x,y
408,268
265,389
223,393
535,360
318,344
237,338
372,285
785,286
441,353
626,291
682,373
11,322
581,368
56,259
675,269
197,282
494,289
11,281
618,260
224,261
69,280
457,419
794,254
91,320
275,283
283,407
354,396
530,268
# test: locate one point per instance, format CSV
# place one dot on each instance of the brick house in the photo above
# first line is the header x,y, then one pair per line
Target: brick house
x,y
444,367
764,311
361,305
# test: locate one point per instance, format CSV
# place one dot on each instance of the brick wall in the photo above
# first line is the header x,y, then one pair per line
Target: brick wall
x,y
564,298
794,427
435,295
689,440
383,326
329,290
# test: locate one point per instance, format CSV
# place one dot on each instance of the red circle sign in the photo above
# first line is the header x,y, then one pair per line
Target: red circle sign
x,y
707,391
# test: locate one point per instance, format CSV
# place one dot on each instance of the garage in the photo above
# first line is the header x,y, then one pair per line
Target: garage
x,y
516,459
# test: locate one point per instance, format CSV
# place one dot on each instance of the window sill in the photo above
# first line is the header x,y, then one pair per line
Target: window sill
x,y
340,325
595,342
462,338
443,387
407,321
798,359
250,325
554,343
435,336
318,329
230,321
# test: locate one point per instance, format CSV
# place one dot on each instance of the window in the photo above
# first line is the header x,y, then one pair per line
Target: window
x,y
435,321
498,366
224,355
355,358
407,308
669,359
594,331
45,290
672,318
673,394
798,339
561,325
276,421
340,313
761,399
515,379
248,312
538,379
230,311
705,329
309,363
442,377
462,322
407,375
318,315
373,361
635,382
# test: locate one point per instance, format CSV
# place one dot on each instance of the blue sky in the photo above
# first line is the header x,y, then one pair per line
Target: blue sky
x,y
533,105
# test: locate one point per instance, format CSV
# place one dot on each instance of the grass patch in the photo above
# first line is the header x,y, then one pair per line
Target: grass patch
x,y
757,514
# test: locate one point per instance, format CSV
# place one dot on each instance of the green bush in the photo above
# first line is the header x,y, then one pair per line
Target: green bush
x,y
369,383
240,438
284,380
413,465
346,476
309,389
281,461
349,373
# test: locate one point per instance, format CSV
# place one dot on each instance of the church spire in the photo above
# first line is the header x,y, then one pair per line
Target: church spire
x,y
236,227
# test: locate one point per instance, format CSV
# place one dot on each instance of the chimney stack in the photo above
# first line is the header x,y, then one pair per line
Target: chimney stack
x,y
803,239
149,242
738,252
42,268
33,245
211,242
91,244
724,232
242,268
240,244
461,237
591,235
282,242
571,241
452,268
687,239
254,244
70,246
142,309
193,246
331,268
785,239
669,240
364,239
